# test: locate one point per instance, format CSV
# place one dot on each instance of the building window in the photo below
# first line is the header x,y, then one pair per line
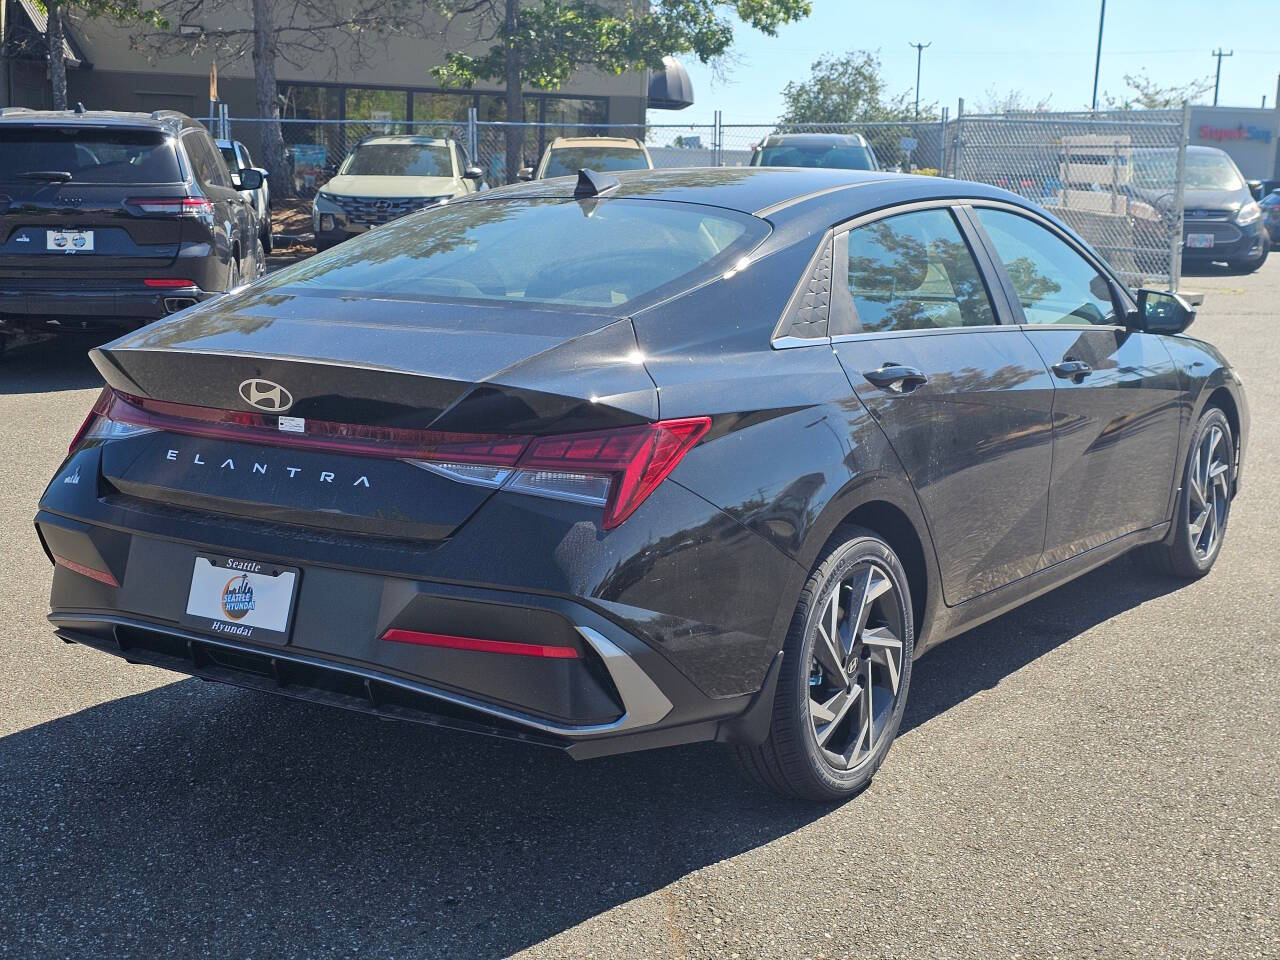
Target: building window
x,y
450,107
377,106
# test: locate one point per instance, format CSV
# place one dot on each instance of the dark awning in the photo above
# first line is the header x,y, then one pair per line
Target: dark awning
x,y
38,23
670,87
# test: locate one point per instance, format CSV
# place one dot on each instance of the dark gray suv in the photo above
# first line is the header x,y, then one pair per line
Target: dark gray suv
x,y
111,220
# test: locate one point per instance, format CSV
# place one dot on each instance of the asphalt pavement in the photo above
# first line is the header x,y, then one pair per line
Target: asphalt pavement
x,y
1094,775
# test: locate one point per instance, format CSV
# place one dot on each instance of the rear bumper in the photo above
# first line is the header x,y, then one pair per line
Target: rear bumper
x,y
641,677
74,309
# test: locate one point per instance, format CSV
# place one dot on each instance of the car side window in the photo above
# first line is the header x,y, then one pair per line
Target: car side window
x,y
207,163
1054,283
914,271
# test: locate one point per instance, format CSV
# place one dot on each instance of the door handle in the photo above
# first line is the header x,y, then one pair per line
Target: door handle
x,y
896,378
1071,369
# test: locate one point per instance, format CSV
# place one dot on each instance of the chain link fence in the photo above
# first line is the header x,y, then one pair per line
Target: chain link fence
x,y
1116,178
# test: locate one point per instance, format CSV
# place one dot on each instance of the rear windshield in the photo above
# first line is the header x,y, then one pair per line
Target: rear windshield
x,y
591,254
817,155
567,161
399,160
88,155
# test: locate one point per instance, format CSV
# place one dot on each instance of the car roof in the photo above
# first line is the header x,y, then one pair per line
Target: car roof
x,y
168,120
777,193
631,142
816,139
406,138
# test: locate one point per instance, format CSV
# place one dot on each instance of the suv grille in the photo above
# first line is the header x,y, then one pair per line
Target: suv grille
x,y
371,211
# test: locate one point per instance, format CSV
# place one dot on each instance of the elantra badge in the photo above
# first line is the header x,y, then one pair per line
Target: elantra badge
x,y
266,395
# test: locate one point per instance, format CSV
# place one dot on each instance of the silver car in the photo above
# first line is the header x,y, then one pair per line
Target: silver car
x,y
237,158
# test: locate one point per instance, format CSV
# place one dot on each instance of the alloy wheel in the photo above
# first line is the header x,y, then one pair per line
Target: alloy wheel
x,y
1210,495
855,671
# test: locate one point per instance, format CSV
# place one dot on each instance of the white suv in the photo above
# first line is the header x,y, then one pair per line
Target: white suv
x,y
387,177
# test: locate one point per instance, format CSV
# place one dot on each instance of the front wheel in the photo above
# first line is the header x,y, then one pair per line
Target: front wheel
x,y
845,671
1204,502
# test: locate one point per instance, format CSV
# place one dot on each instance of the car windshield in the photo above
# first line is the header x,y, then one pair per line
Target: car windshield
x,y
593,254
87,155
830,156
399,160
567,161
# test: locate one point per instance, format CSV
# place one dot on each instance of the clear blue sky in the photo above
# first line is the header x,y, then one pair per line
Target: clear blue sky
x,y
1041,47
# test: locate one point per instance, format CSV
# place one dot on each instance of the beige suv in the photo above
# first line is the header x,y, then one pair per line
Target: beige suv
x,y
384,178
565,156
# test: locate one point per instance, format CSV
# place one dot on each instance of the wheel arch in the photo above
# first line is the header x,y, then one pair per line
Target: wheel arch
x,y
894,516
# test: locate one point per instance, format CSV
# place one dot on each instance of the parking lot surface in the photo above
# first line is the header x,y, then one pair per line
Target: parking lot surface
x,y
1094,775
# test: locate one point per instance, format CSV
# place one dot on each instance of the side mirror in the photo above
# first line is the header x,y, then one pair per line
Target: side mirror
x,y
1255,187
473,173
249,178
1162,312
526,173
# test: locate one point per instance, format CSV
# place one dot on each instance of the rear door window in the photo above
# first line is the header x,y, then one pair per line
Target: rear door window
x,y
87,154
208,164
914,271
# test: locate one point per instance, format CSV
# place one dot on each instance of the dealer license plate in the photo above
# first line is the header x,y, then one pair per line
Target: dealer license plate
x,y
69,241
235,597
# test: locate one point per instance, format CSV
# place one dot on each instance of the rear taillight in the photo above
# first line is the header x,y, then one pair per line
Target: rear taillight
x,y
168,283
615,469
173,206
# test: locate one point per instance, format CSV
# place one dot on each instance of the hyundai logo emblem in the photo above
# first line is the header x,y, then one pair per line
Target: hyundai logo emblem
x,y
266,395
382,205
1197,214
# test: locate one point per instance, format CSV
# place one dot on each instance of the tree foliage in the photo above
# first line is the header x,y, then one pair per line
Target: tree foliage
x,y
541,43
1011,101
1143,93
848,88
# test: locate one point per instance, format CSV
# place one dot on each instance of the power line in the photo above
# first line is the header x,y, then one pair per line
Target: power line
x,y
919,54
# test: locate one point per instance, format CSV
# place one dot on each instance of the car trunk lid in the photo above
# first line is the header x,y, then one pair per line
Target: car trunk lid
x,y
422,372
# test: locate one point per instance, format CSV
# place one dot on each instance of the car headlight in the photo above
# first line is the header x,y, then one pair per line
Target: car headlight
x,y
1249,213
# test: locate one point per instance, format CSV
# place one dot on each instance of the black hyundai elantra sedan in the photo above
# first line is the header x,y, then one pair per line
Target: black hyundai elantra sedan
x,y
641,460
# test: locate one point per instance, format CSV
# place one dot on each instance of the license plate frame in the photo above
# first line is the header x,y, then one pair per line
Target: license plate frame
x,y
1199,241
217,602
68,241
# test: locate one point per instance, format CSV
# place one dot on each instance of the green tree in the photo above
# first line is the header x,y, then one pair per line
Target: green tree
x,y
1143,93
540,43
56,13
847,89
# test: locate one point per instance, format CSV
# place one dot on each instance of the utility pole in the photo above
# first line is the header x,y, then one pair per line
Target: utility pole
x,y
919,53
1097,60
1217,77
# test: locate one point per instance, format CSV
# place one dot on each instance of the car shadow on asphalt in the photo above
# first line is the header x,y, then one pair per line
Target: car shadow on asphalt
x,y
979,659
218,822
50,367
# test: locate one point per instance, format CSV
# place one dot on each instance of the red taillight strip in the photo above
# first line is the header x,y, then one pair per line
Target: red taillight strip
x,y
392,443
102,576
167,282
482,646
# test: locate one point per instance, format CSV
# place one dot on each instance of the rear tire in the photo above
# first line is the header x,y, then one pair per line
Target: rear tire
x,y
233,274
839,705
259,260
1204,503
